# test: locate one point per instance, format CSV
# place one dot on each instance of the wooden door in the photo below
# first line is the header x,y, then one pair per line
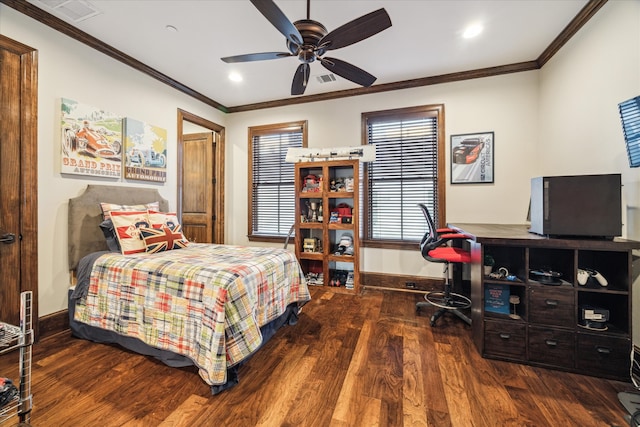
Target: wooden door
x,y
18,178
198,179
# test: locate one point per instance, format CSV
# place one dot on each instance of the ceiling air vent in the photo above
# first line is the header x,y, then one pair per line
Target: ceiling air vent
x,y
76,10
326,78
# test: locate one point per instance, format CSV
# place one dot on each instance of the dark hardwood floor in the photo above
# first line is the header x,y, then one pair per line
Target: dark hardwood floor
x,y
365,360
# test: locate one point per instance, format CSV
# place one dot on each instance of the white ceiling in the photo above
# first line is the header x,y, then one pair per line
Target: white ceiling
x,y
424,39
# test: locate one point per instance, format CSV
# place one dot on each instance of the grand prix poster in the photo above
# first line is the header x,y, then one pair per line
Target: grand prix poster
x,y
91,140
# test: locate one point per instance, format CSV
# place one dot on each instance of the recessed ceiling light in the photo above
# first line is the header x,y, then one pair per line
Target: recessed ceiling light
x,y
171,28
235,77
472,31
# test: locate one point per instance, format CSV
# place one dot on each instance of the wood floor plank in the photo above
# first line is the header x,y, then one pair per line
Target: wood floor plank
x,y
352,360
184,414
414,408
453,382
352,390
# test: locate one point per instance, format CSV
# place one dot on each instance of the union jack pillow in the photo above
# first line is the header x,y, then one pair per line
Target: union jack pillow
x,y
163,239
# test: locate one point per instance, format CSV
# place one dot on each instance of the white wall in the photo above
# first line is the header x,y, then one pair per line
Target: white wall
x,y
67,68
507,105
580,89
540,119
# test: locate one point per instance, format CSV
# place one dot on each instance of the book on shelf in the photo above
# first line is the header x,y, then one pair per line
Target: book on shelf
x,y
496,298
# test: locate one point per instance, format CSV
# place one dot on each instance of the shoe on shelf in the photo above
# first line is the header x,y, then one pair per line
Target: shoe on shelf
x,y
349,283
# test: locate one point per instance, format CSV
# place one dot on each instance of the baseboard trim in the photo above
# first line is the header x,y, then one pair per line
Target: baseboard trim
x,y
53,323
398,282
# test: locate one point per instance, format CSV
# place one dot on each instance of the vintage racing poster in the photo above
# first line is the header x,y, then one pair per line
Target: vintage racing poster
x,y
145,151
91,141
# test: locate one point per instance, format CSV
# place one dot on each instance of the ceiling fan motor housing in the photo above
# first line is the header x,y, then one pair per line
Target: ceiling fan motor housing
x,y
312,32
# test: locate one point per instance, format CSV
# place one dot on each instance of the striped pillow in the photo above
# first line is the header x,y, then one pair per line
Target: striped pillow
x,y
107,208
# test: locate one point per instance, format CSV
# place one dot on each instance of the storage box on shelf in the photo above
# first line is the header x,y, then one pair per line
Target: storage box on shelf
x,y
327,227
14,337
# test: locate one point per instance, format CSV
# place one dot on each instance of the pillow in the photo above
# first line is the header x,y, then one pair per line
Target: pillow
x,y
107,208
110,235
165,238
158,219
127,225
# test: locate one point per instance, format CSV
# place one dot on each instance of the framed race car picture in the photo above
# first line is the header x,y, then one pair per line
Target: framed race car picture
x,y
472,158
145,151
91,140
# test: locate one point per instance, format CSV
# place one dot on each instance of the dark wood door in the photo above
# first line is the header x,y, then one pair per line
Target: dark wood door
x,y
18,178
198,179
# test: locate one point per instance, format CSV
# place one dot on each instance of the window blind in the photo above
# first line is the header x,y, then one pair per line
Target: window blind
x,y
273,206
630,116
404,174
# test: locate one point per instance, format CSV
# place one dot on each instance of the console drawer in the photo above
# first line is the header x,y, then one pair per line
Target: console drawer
x,y
549,306
604,355
505,339
552,346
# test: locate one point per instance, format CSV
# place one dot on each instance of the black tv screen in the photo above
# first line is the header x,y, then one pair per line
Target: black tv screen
x,y
630,116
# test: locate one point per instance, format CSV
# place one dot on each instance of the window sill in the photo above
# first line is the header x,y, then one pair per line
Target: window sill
x,y
269,239
390,244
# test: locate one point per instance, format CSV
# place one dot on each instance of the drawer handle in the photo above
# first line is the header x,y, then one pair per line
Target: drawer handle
x,y
505,336
551,302
603,350
551,343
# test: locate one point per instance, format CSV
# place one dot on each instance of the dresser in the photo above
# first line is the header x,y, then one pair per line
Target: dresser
x,y
540,308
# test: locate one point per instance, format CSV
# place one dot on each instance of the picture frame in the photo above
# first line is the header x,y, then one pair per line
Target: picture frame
x,y
91,140
472,158
145,149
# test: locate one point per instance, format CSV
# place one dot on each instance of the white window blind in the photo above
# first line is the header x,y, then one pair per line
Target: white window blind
x,y
404,174
272,192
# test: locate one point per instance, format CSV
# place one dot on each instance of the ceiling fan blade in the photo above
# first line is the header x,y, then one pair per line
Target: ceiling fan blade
x,y
348,71
279,20
300,79
255,57
356,30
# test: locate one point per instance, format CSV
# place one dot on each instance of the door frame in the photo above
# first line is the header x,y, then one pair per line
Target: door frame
x,y
28,131
218,185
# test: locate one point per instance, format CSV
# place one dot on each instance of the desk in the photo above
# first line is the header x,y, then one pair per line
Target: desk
x,y
547,329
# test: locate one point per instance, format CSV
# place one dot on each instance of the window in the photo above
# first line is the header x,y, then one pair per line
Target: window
x,y
271,195
409,169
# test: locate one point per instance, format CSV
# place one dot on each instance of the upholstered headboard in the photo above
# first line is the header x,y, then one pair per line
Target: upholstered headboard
x,y
85,216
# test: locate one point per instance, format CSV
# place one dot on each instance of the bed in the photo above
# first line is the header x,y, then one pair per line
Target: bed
x,y
205,305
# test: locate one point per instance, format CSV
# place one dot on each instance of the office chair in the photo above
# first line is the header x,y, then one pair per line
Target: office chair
x,y
435,248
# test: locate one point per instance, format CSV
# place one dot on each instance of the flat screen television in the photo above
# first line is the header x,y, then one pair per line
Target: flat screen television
x,y
587,206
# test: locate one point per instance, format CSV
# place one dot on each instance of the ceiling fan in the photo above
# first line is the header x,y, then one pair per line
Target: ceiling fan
x,y
309,40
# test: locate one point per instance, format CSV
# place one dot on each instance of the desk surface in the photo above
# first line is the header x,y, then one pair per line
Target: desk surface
x,y
519,235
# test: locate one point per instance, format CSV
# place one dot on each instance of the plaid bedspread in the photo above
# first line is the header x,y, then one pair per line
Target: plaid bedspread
x,y
206,301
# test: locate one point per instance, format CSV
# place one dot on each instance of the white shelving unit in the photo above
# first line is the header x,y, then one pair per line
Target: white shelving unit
x,y
20,337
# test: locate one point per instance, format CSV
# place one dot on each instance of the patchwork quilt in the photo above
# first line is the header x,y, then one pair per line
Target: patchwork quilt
x,y
205,301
